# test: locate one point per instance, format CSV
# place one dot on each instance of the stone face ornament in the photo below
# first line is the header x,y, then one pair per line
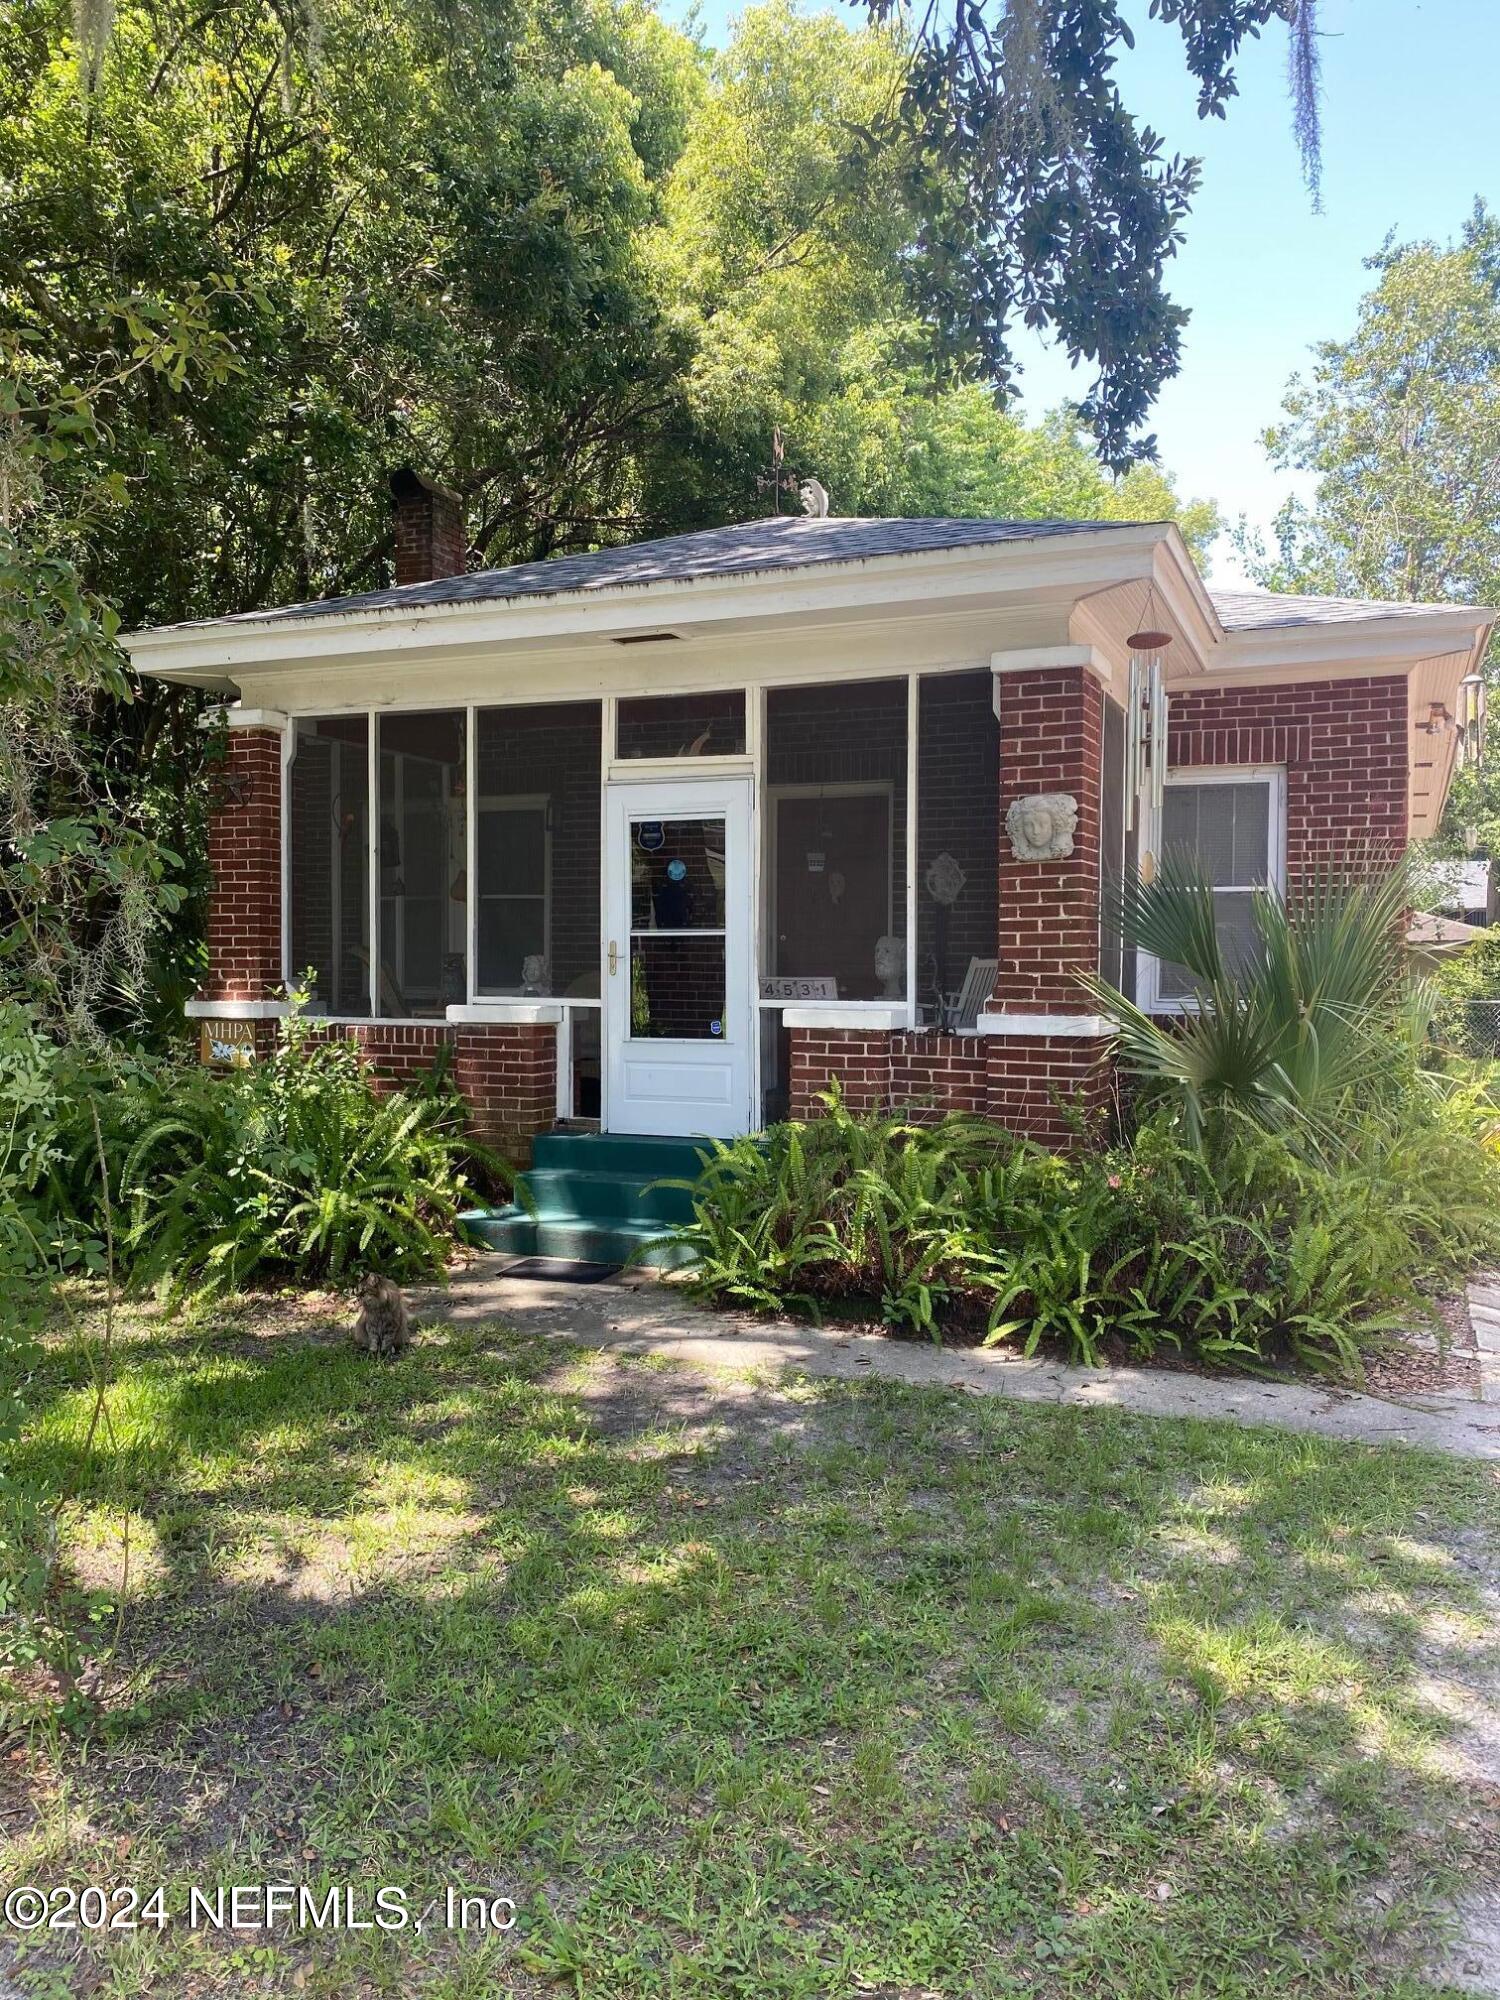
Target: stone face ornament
x,y
1041,826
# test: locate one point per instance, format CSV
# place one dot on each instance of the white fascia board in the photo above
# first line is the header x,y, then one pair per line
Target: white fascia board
x,y
1081,561
1351,645
1186,597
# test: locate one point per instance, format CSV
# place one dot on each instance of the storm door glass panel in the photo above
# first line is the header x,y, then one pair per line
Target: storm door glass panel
x,y
681,725
835,864
1225,830
329,827
422,853
677,938
537,819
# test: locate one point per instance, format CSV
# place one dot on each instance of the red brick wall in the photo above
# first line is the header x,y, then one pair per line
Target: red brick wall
x,y
1035,1085
244,857
507,1074
1051,726
1345,746
1040,1085
932,1073
506,1071
399,1053
858,1059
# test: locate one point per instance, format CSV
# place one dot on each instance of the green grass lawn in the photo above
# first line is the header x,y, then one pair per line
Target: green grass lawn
x,y
812,1690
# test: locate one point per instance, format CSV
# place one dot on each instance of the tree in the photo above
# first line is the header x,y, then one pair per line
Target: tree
x,y
792,277
1401,425
1053,204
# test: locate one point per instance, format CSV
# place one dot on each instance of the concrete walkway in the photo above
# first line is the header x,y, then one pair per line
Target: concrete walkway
x,y
640,1316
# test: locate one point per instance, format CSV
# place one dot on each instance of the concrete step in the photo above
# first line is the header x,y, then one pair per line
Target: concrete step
x,y
619,1153
563,1192
575,1238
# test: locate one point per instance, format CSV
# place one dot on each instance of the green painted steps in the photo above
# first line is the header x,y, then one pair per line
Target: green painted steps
x,y
594,1199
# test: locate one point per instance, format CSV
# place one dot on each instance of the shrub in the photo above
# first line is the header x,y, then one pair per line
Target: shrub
x,y
1267,1249
294,1167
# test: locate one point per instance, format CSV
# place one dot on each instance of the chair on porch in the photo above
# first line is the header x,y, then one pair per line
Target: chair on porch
x,y
961,1017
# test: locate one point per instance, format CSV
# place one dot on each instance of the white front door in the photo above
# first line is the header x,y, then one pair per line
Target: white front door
x,y
679,1007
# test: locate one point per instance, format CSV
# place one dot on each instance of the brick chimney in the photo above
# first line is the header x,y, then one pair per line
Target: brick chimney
x,y
430,538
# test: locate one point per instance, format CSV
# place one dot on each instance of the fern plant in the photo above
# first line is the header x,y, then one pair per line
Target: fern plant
x,y
297,1167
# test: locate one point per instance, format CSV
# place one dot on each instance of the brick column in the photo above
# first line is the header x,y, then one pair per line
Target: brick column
x,y
1051,740
244,858
506,1072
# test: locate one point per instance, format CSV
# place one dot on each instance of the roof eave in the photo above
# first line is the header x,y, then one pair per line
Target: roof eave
x,y
204,654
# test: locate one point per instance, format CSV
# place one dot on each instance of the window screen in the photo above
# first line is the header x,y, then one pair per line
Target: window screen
x,y
1226,830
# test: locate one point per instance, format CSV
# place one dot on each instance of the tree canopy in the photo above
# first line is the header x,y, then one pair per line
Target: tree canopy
x,y
1400,423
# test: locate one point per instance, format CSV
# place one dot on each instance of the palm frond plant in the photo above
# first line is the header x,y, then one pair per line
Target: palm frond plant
x,y
1315,1012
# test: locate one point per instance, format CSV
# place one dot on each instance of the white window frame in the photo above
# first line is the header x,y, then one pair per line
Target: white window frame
x,y
514,802
1273,776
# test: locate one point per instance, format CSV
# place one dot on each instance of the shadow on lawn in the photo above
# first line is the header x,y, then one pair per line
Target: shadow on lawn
x,y
575,1623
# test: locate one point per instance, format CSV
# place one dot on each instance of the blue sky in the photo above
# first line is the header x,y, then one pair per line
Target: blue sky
x,y
1410,138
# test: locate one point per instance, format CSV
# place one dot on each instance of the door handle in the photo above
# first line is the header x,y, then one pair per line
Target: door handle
x,y
614,958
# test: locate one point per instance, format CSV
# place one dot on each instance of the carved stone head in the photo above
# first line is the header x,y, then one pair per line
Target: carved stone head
x,y
1041,826
890,965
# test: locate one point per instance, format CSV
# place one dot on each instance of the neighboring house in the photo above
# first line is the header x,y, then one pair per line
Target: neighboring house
x,y
671,836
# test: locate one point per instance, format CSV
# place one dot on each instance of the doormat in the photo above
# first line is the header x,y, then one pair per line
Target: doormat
x,y
560,1270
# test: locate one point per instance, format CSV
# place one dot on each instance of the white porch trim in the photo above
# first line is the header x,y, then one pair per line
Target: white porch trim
x,y
523,1013
237,1010
1083,1027
234,717
875,1018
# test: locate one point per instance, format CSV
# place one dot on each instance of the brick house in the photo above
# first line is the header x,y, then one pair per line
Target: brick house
x,y
665,837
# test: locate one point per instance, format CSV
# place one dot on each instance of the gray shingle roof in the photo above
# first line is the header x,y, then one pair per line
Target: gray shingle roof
x,y
1259,610
787,542
778,542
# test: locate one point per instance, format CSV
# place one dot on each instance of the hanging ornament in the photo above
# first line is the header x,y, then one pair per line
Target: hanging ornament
x,y
1146,716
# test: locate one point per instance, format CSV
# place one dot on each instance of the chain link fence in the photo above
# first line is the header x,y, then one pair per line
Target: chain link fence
x,y
1477,1026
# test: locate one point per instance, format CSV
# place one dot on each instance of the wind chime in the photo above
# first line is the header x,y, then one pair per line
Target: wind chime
x,y
1146,718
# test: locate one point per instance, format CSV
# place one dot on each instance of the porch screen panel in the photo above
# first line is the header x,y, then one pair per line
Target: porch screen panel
x,y
538,805
958,835
835,820
329,837
681,725
422,850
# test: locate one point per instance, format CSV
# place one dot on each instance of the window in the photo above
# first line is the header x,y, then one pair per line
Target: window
x,y
1231,823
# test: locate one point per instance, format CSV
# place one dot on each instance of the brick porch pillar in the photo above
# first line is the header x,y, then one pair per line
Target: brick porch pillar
x,y
506,1072
1047,1048
244,858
